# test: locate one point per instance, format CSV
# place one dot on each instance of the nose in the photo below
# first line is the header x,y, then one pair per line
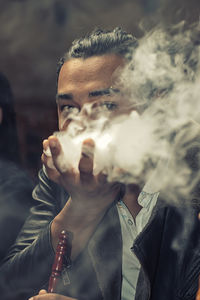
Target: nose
x,y
64,124
86,110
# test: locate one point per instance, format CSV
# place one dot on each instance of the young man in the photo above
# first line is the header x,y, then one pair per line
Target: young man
x,y
122,246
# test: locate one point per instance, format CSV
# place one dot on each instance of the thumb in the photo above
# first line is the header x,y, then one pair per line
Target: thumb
x,y
42,292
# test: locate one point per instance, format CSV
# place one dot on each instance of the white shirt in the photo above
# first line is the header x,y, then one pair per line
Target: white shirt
x,y
130,229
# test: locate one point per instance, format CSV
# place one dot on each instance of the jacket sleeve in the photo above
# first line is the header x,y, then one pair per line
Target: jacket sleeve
x,y
15,202
27,266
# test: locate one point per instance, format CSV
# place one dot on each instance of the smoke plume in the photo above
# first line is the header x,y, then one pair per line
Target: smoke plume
x,y
154,136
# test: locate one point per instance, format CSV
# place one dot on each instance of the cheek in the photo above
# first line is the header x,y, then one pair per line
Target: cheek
x,y
63,123
61,120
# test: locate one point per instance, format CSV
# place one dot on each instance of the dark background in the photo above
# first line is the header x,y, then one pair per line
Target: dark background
x,y
35,33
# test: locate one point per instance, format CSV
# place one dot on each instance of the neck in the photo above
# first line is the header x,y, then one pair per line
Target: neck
x,y
131,199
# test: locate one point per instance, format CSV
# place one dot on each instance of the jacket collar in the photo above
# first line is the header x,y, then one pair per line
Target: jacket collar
x,y
148,243
105,250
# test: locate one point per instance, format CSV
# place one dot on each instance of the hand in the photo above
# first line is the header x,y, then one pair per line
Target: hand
x,y
90,194
82,185
43,295
198,292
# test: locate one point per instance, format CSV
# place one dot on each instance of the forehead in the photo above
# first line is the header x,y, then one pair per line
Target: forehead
x,y
94,69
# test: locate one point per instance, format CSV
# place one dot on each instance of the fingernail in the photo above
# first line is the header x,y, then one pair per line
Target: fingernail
x,y
53,144
87,150
47,152
30,298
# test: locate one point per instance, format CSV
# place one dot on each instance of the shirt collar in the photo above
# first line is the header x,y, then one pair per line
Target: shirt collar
x,y
150,192
146,199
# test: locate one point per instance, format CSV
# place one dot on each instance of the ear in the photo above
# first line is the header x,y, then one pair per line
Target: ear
x,y
1,115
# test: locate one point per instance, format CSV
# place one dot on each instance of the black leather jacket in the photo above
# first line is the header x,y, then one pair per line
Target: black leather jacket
x,y
15,202
168,250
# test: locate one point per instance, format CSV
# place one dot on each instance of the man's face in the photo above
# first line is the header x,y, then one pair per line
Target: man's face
x,y
83,81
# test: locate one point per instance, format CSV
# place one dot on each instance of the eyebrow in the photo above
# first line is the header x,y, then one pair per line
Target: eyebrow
x,y
108,92
64,97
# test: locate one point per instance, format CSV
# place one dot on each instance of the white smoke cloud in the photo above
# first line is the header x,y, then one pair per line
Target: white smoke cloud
x,y
162,86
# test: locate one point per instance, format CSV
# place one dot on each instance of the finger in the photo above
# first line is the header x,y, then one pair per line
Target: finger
x,y
87,155
48,162
45,144
58,161
42,292
52,296
43,158
198,292
57,154
86,161
102,178
118,174
46,149
51,171
54,146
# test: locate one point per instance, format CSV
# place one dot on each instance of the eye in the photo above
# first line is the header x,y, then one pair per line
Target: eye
x,y
66,108
109,105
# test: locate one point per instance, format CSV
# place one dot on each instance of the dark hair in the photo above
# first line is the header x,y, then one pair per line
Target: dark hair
x,y
8,131
100,42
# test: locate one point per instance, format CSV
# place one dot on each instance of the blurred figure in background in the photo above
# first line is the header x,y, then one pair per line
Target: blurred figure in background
x,y
9,149
15,185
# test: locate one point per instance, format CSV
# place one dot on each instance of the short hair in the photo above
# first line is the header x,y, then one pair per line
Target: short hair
x,y
100,42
